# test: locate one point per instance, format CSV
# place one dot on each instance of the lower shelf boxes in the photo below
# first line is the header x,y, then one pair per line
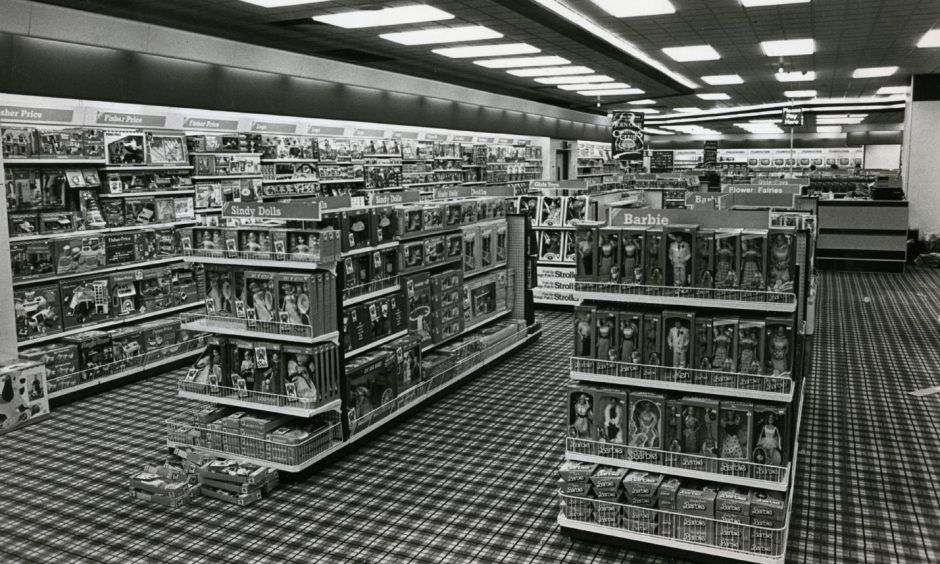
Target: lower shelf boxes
x,y
236,482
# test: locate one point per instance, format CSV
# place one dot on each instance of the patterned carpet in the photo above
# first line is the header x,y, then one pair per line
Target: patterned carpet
x,y
471,477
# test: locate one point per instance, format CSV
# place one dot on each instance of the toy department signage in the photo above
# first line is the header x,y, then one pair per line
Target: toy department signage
x,y
491,192
369,133
761,189
705,200
210,124
295,211
267,127
623,217
406,134
19,113
454,192
389,198
463,138
133,120
558,184
435,137
323,130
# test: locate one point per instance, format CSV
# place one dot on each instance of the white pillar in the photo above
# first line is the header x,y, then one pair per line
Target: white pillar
x,y
919,162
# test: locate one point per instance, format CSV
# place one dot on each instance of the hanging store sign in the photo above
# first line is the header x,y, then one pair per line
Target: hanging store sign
x,y
267,127
703,218
390,198
287,211
628,139
324,130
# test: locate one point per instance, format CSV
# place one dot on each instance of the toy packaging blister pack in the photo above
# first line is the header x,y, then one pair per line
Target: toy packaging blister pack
x,y
646,427
679,242
608,264
655,256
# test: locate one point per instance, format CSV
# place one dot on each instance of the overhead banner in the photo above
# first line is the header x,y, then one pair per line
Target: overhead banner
x,y
272,210
628,141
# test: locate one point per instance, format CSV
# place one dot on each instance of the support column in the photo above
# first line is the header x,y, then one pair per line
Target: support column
x,y
7,317
919,162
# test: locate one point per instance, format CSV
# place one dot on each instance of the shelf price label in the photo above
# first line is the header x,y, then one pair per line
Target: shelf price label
x,y
293,211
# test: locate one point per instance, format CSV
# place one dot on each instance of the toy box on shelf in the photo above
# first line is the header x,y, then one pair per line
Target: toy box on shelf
x,y
23,389
691,369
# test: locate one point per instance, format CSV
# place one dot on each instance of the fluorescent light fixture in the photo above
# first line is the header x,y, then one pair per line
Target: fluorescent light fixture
x,y
635,8
930,39
612,92
644,110
561,9
888,90
828,129
281,3
585,79
843,119
764,121
443,35
487,50
688,110
598,86
760,3
800,93
359,19
517,62
550,71
795,76
654,131
714,96
721,79
646,102
692,53
788,47
874,72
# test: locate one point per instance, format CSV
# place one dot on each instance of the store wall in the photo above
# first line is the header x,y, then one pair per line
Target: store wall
x,y
882,156
920,162
52,51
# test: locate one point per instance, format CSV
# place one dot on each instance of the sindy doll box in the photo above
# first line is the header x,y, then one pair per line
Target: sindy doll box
x,y
581,416
260,298
655,256
752,272
435,250
269,375
357,226
735,425
699,433
678,352
646,427
727,257
254,244
631,255
296,297
680,246
781,260
412,256
608,265
306,378
610,420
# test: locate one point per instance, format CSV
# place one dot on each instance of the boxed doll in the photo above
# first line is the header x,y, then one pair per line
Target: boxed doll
x,y
385,264
606,344
666,501
407,354
269,377
208,241
501,243
84,301
472,255
678,327
575,210
769,442
296,297
119,248
219,293
732,510
779,349
672,432
550,211
704,259
768,516
608,266
21,224
242,367
727,257
31,259
697,507
646,427
702,349
725,349
254,244
631,263
679,243
125,297
639,489
432,218
750,360
435,250
529,206
310,375
412,256
453,214
655,256
585,250
357,225
629,341
487,245
357,327
735,424
165,210
372,384
259,298
781,260
611,422
383,225
469,212
581,413
37,311
699,437
79,254
652,341
753,253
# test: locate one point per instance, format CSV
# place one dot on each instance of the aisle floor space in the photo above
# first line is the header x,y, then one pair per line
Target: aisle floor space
x,y
471,476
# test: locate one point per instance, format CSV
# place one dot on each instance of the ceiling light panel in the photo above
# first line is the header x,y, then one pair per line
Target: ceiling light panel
x,y
692,53
788,47
721,79
612,92
714,96
281,3
761,3
874,72
443,35
800,93
487,50
635,8
888,90
646,102
654,131
930,39
796,76
598,86
360,19
518,62
688,110
550,71
585,79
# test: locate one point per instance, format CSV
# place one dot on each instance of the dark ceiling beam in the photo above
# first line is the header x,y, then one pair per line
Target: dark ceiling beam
x,y
560,25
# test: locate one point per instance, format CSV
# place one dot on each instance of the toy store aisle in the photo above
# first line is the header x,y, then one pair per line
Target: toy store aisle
x,y
870,452
471,476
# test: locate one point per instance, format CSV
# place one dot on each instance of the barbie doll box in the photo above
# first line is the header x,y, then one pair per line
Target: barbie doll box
x,y
574,488
640,487
608,477
610,419
574,471
646,427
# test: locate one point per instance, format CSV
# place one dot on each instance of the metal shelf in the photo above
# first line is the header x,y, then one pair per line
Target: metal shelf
x,y
341,180
238,328
102,231
365,250
466,330
257,263
228,176
288,161
106,324
118,268
52,161
292,468
375,344
289,180
491,268
366,297
147,167
259,406
749,300
155,193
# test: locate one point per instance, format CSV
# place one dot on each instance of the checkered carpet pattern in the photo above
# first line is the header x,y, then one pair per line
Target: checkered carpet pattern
x,y
471,476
